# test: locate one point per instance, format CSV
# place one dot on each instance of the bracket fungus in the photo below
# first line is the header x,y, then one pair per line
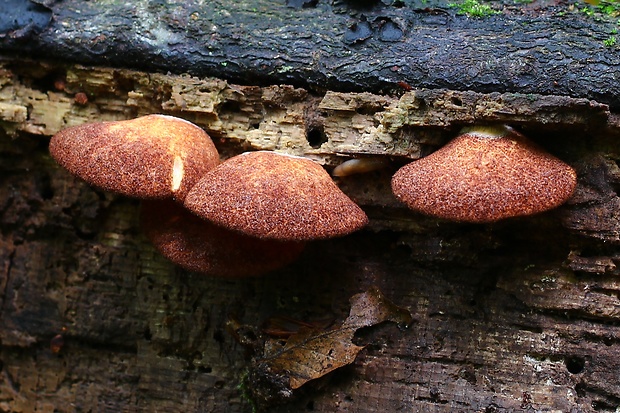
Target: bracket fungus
x,y
484,175
200,246
275,196
151,157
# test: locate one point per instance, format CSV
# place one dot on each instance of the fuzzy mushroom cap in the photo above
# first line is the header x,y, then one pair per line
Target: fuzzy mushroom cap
x,y
269,195
151,157
200,246
484,175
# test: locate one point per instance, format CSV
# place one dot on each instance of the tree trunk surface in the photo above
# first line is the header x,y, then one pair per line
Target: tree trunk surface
x,y
518,315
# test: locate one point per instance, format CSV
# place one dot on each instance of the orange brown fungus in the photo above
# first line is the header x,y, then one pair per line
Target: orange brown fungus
x,y
200,246
275,196
484,175
151,157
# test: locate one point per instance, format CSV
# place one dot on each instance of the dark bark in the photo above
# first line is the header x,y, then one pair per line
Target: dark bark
x,y
540,49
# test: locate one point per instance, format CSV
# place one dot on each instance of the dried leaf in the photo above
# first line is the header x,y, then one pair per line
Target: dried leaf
x,y
310,354
284,327
372,307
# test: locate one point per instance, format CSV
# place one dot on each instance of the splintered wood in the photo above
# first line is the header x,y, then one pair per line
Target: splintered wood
x,y
326,127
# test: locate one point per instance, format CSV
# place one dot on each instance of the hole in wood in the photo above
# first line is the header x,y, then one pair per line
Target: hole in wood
x,y
575,365
316,137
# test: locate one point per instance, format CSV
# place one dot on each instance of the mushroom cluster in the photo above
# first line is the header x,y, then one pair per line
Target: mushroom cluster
x,y
253,213
246,216
484,175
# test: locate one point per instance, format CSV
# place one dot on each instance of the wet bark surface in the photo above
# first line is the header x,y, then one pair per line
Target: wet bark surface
x,y
376,46
519,315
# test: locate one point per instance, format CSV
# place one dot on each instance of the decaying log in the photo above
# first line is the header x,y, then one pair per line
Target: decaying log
x,y
516,315
520,315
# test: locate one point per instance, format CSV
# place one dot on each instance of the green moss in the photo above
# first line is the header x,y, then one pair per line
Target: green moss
x,y
588,11
602,8
611,41
473,8
610,8
603,11
246,393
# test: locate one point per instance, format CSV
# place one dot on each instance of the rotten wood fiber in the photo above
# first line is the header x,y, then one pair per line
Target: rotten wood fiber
x,y
380,47
326,127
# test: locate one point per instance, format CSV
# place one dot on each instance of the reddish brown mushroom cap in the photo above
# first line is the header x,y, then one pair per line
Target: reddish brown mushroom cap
x,y
200,246
269,195
485,175
154,156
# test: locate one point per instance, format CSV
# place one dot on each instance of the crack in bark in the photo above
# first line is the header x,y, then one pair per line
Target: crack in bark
x,y
7,280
